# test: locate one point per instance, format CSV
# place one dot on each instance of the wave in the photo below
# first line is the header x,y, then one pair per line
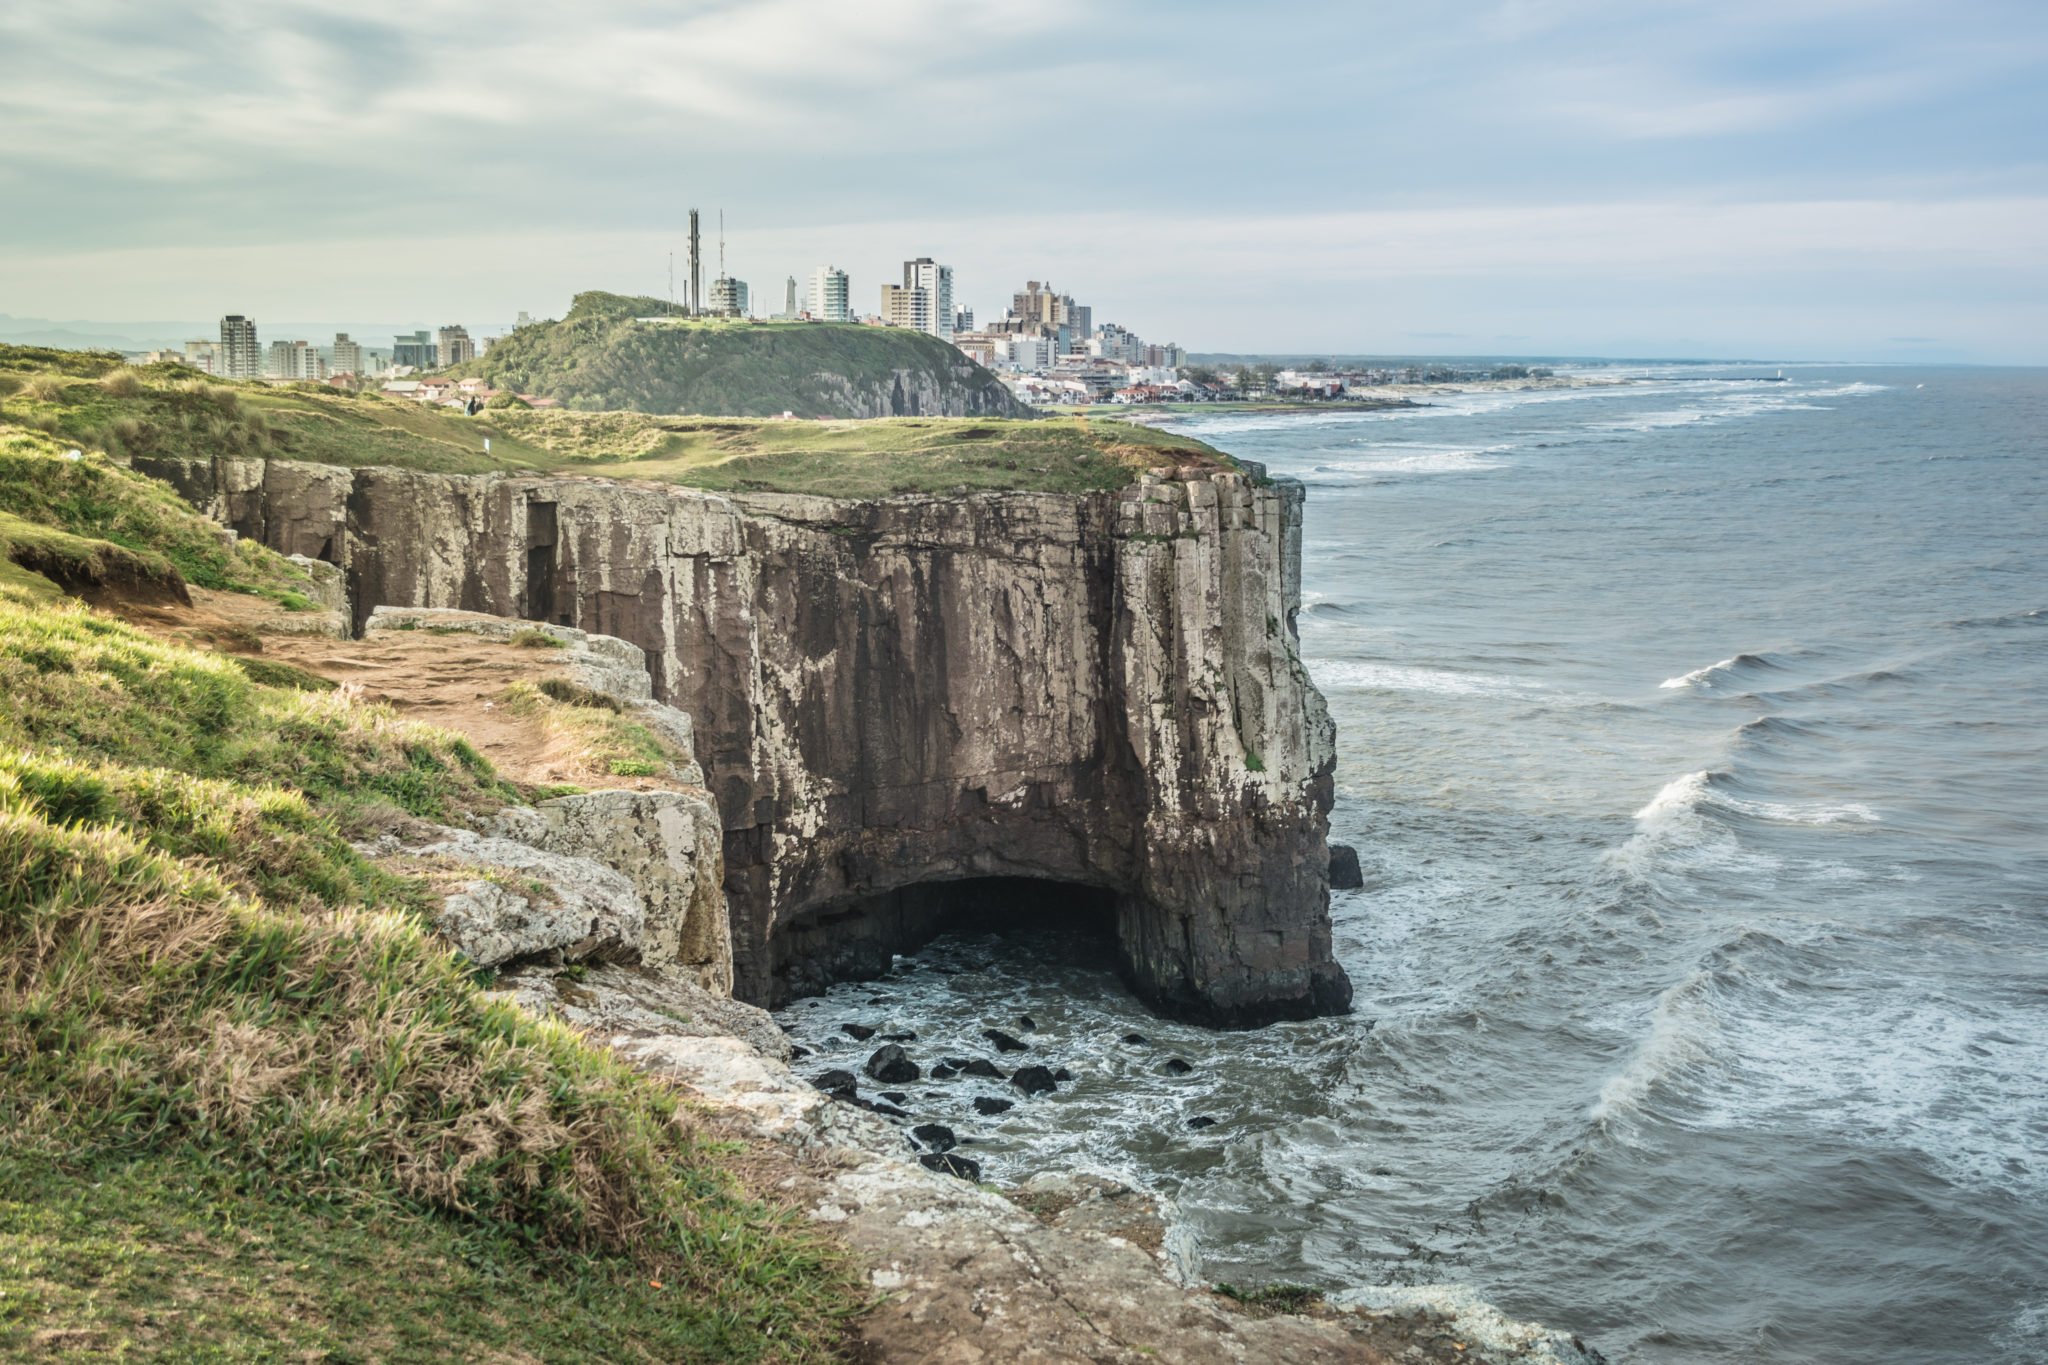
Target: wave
x,y
1329,673
1681,1037
1712,674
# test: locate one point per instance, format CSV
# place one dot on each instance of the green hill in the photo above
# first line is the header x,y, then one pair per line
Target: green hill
x,y
601,358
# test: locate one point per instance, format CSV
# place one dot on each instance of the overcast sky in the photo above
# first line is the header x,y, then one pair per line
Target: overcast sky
x,y
1798,178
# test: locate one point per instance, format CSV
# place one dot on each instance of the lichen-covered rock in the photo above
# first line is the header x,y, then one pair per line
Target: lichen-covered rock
x,y
608,1001
554,904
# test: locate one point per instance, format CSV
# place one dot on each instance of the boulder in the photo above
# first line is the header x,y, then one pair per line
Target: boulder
x,y
899,1037
895,1097
1137,1040
536,903
989,1108
942,1072
980,1067
936,1136
860,1033
892,1066
1176,1067
837,1080
1027,1023
1063,1075
891,1110
945,1163
1034,1080
1003,1041
1344,871
1201,1121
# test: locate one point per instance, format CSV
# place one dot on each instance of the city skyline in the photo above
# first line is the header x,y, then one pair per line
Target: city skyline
x,y
1828,180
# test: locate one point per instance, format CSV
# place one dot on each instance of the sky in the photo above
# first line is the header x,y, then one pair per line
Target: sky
x,y
1797,179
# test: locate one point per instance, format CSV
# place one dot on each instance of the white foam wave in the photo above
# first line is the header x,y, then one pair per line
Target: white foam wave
x,y
1699,676
1681,1037
1331,673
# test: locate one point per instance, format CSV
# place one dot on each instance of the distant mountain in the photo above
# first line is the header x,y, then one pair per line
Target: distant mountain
x,y
600,358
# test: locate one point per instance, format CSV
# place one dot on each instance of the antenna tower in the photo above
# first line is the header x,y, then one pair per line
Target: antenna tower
x,y
696,270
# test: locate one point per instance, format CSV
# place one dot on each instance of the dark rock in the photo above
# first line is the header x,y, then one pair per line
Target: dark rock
x,y
945,1163
1027,1023
1201,1121
878,1000
1344,873
891,1065
1003,1041
1177,1067
942,1072
1063,1075
1137,1040
797,1054
861,1032
1034,1080
988,1108
837,1080
936,1136
891,1110
895,1097
1382,1170
980,1067
899,1037
957,1063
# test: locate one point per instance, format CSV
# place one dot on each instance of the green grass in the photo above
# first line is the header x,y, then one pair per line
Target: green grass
x,y
161,412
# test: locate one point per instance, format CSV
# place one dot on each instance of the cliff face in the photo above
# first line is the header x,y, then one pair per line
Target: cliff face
x,y
899,701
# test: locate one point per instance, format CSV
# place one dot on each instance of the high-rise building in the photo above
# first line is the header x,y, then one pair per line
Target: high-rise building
x,y
277,363
963,320
525,319
203,355
906,305
729,297
294,360
452,345
789,298
240,355
830,300
936,283
415,349
348,355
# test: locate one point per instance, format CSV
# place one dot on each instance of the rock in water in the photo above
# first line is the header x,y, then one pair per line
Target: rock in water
x,y
1027,1023
1344,872
957,1063
1063,1075
936,1136
837,1080
899,1037
891,1065
1177,1067
797,1054
861,1032
980,1067
891,1110
1034,1080
989,1108
1137,1040
895,1097
1201,1121
945,1163
1003,1041
942,1072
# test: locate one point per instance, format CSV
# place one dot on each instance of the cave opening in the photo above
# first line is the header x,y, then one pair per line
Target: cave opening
x,y
858,939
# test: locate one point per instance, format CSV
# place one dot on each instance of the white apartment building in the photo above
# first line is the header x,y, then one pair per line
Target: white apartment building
x,y
829,298
294,360
906,305
240,355
729,297
935,281
453,345
348,355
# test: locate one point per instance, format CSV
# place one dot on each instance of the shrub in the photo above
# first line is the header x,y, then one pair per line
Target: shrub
x,y
123,383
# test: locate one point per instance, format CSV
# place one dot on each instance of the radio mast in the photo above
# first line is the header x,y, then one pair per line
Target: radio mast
x,y
696,270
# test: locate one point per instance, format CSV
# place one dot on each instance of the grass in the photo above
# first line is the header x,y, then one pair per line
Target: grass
x,y
252,1103
593,728
55,400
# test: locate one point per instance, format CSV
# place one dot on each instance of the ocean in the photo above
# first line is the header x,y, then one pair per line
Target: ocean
x,y
1693,735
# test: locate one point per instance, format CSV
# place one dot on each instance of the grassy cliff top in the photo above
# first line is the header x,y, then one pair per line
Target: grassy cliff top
x,y
91,401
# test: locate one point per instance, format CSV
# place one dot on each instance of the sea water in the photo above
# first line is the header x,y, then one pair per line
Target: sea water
x,y
1693,734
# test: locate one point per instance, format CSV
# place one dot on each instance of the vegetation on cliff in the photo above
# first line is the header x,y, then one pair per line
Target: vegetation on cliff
x,y
89,401
601,358
254,1108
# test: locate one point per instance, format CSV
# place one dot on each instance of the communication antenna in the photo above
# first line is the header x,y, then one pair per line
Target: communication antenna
x,y
671,282
721,244
696,270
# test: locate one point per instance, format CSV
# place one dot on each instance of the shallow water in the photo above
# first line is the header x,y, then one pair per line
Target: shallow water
x,y
1691,735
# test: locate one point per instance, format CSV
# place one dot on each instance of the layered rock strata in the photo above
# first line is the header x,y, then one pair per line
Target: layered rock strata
x,y
902,702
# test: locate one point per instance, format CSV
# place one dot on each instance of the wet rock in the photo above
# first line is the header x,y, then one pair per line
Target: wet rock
x,y
942,1072
936,1136
1344,871
895,1097
1003,1041
891,1110
980,1067
797,1054
859,1032
891,1065
1063,1075
1176,1067
837,1080
1137,1040
945,1163
957,1063
1034,1080
1201,1121
878,1000
989,1108
899,1037
1027,1023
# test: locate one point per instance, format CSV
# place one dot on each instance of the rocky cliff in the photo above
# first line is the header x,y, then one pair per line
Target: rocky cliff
x,y
911,710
